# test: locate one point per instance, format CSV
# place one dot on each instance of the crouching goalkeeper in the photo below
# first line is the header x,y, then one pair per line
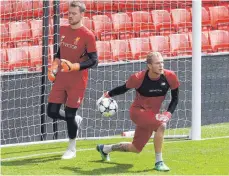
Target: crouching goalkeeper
x,y
151,87
69,72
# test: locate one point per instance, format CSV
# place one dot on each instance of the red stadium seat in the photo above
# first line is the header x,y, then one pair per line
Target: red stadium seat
x,y
206,23
88,23
205,43
162,21
6,9
36,28
219,40
181,20
4,61
18,59
35,55
179,45
160,44
126,5
105,5
143,24
37,8
104,51
122,25
64,22
139,47
19,31
219,17
22,8
120,50
4,32
103,27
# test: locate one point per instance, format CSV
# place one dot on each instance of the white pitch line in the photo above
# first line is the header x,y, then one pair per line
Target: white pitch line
x,y
89,149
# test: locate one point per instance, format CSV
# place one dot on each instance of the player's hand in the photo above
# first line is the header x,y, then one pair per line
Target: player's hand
x,y
67,66
164,117
105,95
53,71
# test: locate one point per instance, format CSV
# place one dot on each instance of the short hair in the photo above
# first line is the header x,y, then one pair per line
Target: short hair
x,y
79,4
151,55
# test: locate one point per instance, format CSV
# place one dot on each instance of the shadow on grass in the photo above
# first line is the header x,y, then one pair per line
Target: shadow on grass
x,y
115,169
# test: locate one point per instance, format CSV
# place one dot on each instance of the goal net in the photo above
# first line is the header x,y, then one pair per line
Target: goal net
x,y
126,31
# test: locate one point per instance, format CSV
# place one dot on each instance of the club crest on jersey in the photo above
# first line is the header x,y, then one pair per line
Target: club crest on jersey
x,y
76,40
62,38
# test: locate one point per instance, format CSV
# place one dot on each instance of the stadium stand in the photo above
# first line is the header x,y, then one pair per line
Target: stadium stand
x,y
125,29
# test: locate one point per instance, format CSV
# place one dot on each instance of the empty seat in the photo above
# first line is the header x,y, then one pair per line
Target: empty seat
x,y
104,51
87,23
64,22
6,9
122,25
103,27
126,5
143,24
160,44
139,47
4,32
179,44
181,20
35,55
22,8
205,43
4,61
162,22
105,5
206,23
219,40
36,28
120,50
19,31
219,17
18,59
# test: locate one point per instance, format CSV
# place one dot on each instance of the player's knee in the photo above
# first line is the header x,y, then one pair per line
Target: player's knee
x,y
135,149
52,112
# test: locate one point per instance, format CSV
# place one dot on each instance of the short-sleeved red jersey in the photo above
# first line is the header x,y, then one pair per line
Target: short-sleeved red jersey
x,y
74,43
151,93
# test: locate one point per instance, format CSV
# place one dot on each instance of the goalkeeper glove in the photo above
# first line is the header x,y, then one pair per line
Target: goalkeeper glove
x,y
67,66
164,117
53,71
105,95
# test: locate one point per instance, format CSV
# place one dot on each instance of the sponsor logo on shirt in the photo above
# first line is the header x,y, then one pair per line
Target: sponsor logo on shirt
x,y
155,90
68,45
163,84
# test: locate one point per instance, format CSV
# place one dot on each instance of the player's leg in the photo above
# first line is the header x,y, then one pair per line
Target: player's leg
x,y
73,102
158,142
72,127
141,137
53,111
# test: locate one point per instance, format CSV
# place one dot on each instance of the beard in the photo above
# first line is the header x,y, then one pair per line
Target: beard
x,y
74,22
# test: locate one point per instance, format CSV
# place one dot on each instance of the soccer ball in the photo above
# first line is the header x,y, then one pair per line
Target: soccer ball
x,y
108,107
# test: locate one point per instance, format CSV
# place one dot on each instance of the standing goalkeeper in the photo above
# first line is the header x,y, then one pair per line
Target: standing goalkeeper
x,y
151,87
77,53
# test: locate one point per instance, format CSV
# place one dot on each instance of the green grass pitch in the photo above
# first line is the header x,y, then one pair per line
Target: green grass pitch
x,y
209,156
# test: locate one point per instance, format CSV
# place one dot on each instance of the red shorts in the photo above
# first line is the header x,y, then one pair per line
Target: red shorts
x,y
70,96
146,123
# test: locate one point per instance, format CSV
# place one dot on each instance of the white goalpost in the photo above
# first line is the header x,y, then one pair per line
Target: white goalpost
x,y
126,31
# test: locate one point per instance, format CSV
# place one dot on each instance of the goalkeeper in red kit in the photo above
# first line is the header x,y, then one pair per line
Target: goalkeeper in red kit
x,y
151,87
69,72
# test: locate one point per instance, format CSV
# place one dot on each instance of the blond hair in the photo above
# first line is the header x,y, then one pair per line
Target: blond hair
x,y
79,4
151,56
